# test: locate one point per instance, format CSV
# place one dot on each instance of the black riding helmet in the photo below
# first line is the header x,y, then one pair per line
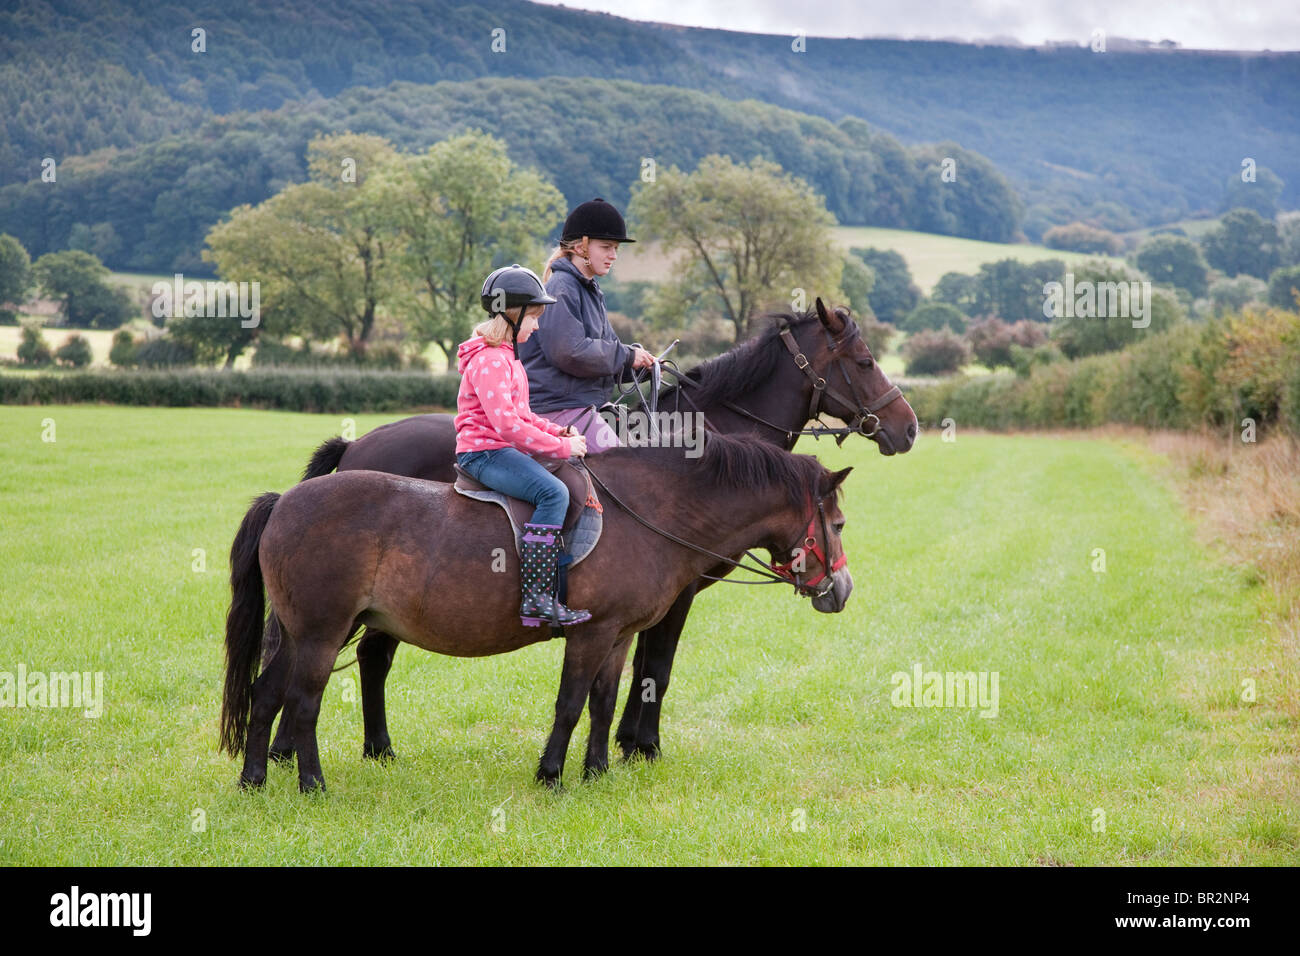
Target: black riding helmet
x,y
595,219
509,287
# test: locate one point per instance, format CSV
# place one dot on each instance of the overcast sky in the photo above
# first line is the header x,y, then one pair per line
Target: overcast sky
x,y
1201,24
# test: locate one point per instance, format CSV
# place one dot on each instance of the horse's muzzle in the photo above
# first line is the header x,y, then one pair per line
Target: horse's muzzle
x,y
833,601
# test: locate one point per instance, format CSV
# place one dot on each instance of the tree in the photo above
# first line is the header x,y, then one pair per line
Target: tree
x,y
1231,295
76,279
455,212
1283,287
15,276
957,289
316,249
1262,195
932,316
1013,290
1243,243
750,234
123,352
1111,310
1176,261
893,294
857,280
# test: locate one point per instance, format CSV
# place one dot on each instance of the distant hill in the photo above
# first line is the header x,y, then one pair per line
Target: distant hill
x,y
1128,138
148,207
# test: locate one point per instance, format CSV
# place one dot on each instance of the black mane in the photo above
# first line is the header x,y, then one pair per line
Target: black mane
x,y
738,465
739,371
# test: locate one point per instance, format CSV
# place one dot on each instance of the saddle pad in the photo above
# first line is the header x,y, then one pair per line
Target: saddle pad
x,y
580,534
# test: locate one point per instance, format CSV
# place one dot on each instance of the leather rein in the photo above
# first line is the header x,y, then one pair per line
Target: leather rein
x,y
774,573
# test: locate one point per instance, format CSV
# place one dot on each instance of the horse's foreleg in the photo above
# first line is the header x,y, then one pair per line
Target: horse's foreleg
x,y
604,694
374,658
583,656
638,730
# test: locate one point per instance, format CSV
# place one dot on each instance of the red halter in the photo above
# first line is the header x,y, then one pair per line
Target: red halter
x,y
810,546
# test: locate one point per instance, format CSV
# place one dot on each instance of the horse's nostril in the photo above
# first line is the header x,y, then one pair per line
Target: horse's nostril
x,y
911,432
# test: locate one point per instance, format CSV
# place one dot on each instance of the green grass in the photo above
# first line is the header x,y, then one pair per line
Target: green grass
x,y
1118,691
929,256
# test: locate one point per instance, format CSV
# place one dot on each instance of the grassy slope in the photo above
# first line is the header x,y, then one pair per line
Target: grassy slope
x,y
1118,691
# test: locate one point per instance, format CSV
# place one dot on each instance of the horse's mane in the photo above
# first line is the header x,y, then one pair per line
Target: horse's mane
x,y
739,465
740,370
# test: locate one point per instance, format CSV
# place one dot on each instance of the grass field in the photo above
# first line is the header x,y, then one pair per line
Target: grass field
x,y
1120,692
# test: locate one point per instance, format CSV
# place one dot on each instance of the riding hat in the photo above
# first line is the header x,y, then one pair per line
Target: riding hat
x,y
512,286
595,219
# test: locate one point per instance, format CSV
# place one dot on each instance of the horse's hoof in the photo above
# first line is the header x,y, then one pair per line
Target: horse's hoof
x,y
315,785
593,771
280,756
647,752
251,783
550,781
627,745
382,754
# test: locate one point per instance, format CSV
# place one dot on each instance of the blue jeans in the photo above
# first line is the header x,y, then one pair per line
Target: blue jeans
x,y
513,473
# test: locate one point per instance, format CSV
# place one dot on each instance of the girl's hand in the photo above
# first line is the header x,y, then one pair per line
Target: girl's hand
x,y
643,358
578,446
569,432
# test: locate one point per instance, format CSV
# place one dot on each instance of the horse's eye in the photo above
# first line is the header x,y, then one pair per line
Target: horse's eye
x,y
839,527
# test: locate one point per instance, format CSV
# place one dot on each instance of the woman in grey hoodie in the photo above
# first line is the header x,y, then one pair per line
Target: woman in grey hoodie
x,y
575,357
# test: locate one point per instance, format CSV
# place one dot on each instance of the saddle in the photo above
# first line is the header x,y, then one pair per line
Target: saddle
x,y
583,521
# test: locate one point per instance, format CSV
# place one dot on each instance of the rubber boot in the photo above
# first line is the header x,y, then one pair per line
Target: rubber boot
x,y
538,555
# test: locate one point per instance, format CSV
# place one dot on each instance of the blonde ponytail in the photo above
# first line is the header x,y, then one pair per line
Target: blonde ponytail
x,y
566,248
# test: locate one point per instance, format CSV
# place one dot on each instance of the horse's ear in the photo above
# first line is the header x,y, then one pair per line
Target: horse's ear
x,y
821,310
833,479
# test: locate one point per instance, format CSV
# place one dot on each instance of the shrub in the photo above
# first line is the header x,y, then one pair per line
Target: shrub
x,y
1284,287
1081,237
164,352
991,339
75,351
935,353
123,352
32,350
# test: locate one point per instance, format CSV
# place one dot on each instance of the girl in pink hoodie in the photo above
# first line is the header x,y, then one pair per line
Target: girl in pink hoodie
x,y
496,433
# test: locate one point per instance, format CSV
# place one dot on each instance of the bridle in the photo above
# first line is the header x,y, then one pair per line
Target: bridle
x,y
862,410
864,422
810,546
774,573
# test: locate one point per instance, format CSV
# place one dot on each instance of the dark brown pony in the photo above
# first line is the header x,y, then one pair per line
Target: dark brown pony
x,y
757,389
414,559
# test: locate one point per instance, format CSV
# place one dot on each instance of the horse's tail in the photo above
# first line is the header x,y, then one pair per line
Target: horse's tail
x,y
244,624
326,458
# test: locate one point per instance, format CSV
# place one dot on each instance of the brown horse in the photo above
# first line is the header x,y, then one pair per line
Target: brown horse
x,y
768,388
414,559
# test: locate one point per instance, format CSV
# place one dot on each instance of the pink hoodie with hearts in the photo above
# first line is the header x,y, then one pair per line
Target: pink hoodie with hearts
x,y
492,405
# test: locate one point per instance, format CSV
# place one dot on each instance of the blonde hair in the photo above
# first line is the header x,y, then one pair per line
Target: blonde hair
x,y
566,248
496,330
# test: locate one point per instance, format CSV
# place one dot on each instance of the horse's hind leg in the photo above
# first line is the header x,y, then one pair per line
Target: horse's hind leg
x,y
282,747
268,696
604,695
374,658
313,663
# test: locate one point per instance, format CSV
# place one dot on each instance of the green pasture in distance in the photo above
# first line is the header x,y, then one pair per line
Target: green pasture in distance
x,y
1121,734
